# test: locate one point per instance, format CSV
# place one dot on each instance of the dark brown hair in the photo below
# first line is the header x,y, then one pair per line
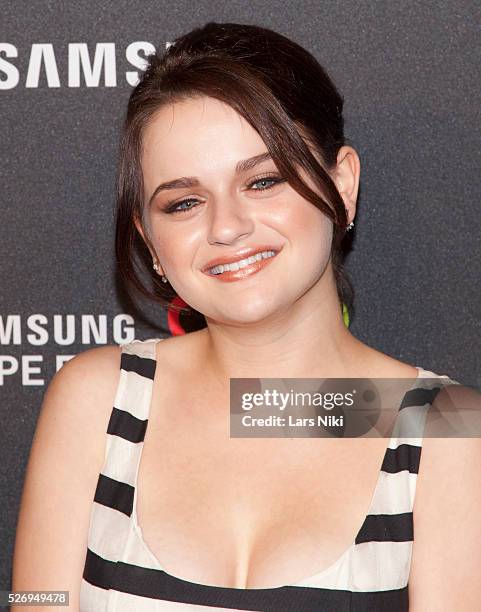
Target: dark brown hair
x,y
276,86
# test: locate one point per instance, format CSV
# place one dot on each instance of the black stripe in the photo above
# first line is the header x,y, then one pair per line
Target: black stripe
x,y
127,426
142,365
404,457
419,397
98,571
386,528
395,600
157,584
114,494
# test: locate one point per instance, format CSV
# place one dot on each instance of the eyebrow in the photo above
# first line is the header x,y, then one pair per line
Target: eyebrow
x,y
192,181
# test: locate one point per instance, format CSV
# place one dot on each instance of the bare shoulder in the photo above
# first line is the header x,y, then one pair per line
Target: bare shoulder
x,y
82,391
65,459
80,395
446,561
90,365
177,351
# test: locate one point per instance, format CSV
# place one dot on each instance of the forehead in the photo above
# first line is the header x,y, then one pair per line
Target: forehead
x,y
199,133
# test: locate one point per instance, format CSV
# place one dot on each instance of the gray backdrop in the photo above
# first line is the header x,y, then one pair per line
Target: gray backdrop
x,y
409,72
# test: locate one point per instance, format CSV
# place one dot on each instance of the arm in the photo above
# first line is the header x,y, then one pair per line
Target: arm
x,y
446,562
65,459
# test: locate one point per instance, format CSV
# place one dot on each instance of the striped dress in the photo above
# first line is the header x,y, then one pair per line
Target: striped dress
x,y
121,573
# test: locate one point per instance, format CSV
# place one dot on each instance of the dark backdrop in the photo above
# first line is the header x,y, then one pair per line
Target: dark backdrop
x,y
409,72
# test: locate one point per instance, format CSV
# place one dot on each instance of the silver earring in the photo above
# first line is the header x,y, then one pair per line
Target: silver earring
x,y
157,268
350,226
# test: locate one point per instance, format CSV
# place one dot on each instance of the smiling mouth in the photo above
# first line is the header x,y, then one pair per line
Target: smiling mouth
x,y
242,268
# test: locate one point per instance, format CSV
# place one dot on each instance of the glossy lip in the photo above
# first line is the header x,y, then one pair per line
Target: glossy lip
x,y
242,273
240,254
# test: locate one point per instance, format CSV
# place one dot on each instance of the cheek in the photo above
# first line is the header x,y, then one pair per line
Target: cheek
x,y
309,233
304,225
176,247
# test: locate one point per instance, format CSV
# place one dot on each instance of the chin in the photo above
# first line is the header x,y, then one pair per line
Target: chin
x,y
246,313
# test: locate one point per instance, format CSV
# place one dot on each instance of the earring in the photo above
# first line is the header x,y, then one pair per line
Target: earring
x,y
157,268
351,225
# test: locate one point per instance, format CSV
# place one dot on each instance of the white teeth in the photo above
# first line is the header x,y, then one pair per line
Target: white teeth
x,y
242,263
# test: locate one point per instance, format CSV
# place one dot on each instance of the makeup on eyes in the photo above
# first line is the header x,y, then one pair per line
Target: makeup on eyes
x,y
173,207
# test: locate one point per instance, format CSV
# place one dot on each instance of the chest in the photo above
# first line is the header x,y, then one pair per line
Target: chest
x,y
249,512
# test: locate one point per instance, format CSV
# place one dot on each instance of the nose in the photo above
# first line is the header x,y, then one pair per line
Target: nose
x,y
228,222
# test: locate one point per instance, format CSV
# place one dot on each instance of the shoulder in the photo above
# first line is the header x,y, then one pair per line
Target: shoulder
x,y
178,352
107,357
78,402
451,449
91,372
80,397
447,530
65,459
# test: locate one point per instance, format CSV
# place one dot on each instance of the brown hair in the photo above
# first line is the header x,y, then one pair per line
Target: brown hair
x,y
275,85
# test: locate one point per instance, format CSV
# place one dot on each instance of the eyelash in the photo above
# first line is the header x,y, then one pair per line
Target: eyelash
x,y
277,180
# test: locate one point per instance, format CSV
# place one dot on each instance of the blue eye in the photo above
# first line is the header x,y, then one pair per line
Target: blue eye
x,y
175,208
265,179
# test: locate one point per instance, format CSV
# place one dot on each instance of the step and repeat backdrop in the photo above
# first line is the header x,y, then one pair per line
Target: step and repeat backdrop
x,y
409,73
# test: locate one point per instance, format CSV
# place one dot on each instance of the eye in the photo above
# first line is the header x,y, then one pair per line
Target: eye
x,y
191,203
275,179
175,207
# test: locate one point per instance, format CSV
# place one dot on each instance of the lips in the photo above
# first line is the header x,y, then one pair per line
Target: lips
x,y
232,276
240,254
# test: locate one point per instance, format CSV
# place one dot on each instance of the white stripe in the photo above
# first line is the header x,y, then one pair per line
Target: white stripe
x,y
142,348
134,394
92,598
394,493
122,458
136,551
370,566
109,530
113,537
125,602
410,422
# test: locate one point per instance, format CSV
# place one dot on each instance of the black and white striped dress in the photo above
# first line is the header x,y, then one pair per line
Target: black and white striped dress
x,y
121,574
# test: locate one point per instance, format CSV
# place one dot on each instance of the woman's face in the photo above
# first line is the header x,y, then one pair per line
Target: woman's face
x,y
220,211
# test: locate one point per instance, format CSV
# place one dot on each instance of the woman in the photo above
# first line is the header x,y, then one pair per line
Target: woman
x,y
233,146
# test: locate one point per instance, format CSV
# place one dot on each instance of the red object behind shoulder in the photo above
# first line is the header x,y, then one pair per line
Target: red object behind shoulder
x,y
173,321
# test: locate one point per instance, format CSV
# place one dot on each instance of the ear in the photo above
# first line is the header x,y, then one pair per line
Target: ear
x,y
140,229
346,178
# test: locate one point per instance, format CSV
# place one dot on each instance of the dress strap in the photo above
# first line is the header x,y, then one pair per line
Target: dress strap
x,y
110,520
137,371
128,420
396,486
411,418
